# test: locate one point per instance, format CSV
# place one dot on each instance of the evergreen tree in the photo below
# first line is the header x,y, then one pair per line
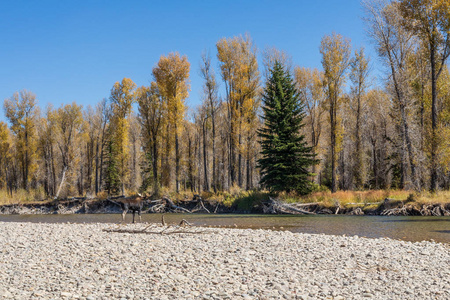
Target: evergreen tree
x,y
285,154
112,176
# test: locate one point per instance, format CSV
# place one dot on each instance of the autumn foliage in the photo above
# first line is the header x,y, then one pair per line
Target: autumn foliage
x,y
389,132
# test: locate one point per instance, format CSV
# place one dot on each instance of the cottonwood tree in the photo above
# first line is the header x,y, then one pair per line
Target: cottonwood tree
x,y
444,126
172,77
135,146
270,55
336,58
359,73
5,144
310,84
91,133
151,113
430,21
211,104
378,133
394,45
102,117
67,128
45,148
122,97
239,70
21,111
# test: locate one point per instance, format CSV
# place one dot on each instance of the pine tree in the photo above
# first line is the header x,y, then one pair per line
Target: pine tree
x,y
285,154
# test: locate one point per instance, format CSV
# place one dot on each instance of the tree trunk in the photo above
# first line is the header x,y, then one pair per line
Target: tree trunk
x,y
63,177
177,160
248,185
53,170
358,168
433,186
96,168
100,180
155,167
333,145
205,159
240,181
190,167
25,174
410,150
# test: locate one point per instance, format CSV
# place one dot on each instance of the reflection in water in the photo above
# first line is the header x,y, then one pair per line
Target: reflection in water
x,y
404,228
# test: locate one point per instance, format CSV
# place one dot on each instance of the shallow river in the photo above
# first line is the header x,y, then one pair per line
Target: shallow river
x,y
404,228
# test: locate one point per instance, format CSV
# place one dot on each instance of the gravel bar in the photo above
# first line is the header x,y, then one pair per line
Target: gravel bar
x,y
137,261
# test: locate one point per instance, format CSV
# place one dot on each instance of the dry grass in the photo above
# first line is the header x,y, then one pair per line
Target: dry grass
x,y
441,197
249,198
346,198
21,196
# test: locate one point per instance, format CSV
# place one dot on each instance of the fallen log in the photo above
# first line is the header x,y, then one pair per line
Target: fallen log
x,y
171,205
305,204
200,205
364,203
275,206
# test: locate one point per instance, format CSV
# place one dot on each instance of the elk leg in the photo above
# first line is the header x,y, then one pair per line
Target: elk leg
x,y
124,212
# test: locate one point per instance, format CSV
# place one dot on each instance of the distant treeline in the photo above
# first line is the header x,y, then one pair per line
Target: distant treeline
x,y
365,136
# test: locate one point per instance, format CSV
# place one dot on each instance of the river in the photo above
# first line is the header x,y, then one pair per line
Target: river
x,y
403,228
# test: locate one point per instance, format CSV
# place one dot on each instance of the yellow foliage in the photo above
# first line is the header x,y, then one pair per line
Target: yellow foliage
x,y
172,77
239,69
21,111
122,97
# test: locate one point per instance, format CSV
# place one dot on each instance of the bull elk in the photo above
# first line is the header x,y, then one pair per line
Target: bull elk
x,y
133,203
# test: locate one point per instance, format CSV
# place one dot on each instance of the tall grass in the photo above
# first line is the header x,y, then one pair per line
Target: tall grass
x,y
246,200
348,197
22,196
441,197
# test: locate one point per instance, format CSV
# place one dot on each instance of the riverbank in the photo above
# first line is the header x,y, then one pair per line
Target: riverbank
x,y
105,261
252,204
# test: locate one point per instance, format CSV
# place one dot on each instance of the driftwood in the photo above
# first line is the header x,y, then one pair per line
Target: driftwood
x,y
200,205
161,232
62,182
172,206
168,229
166,205
305,204
275,206
364,203
357,212
397,211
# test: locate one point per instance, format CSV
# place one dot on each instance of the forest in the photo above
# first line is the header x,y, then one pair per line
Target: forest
x,y
368,133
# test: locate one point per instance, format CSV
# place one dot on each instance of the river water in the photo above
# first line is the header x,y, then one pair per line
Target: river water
x,y
403,228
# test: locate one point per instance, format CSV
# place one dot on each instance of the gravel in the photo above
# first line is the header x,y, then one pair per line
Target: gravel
x,y
86,261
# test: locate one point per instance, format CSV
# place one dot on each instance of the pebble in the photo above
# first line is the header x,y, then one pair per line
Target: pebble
x,y
85,261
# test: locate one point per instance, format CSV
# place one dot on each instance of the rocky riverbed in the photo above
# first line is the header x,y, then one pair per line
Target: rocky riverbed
x,y
137,261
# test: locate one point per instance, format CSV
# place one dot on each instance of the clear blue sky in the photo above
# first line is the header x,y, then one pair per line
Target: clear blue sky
x,y
67,51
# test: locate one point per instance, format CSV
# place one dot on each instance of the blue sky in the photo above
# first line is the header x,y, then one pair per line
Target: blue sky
x,y
67,51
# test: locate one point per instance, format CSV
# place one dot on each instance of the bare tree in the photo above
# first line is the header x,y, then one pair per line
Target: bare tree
x,y
394,44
